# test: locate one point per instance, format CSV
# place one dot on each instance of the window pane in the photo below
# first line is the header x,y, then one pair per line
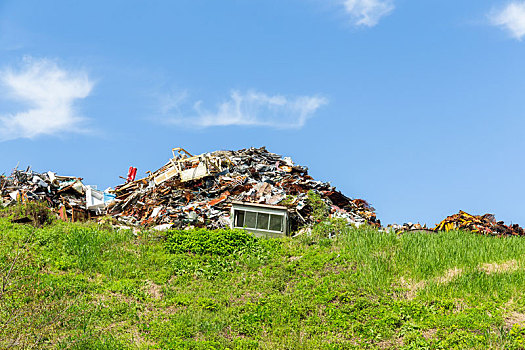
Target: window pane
x,y
250,219
239,218
276,223
262,221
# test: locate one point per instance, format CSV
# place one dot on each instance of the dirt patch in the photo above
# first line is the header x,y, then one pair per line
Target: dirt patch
x,y
174,309
154,290
391,344
294,258
514,318
506,266
449,275
413,287
335,269
110,298
429,333
124,327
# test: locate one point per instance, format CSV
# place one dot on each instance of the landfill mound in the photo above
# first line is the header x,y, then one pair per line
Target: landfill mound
x,y
199,191
483,224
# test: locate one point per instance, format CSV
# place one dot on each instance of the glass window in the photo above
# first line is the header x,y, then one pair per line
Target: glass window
x,y
276,223
239,218
262,221
250,219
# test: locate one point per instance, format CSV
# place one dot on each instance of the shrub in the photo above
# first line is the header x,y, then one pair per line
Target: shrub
x,y
36,213
202,241
319,207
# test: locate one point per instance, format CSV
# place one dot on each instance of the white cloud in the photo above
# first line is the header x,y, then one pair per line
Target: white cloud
x,y
511,18
173,101
49,92
246,109
368,12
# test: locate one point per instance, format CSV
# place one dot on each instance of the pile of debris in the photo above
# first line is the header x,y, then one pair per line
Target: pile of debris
x,y
407,227
251,188
199,191
67,195
483,224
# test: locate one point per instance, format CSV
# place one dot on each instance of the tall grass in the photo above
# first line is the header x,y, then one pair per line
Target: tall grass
x,y
429,255
221,289
449,263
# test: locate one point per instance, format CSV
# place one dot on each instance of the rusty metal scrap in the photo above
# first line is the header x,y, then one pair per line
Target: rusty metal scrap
x,y
192,191
483,224
169,198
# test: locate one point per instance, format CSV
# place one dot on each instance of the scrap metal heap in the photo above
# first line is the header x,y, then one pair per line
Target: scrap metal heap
x,y
58,192
483,224
198,191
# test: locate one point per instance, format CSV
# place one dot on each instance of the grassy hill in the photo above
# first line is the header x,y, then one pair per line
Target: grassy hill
x,y
89,286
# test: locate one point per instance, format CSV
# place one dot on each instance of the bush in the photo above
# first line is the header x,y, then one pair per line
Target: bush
x,y
36,213
319,207
214,242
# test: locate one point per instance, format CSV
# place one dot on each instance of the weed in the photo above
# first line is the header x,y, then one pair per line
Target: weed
x,y
37,214
319,207
84,247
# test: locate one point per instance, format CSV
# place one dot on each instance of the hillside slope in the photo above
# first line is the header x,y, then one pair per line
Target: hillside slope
x,y
90,286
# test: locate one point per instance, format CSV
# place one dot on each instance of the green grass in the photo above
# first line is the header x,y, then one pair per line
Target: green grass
x,y
83,286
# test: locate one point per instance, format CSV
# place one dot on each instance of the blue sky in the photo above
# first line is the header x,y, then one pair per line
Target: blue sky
x,y
415,106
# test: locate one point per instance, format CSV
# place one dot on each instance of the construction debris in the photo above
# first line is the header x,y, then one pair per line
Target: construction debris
x,y
250,188
483,224
67,195
199,191
407,227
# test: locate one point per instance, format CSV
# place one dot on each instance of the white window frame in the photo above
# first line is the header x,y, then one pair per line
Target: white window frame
x,y
263,209
283,220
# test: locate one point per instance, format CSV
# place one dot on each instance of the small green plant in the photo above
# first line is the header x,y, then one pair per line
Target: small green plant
x,y
288,200
84,247
517,336
329,228
213,242
208,304
36,213
319,207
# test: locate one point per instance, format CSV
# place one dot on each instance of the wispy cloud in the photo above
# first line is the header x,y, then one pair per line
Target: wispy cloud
x,y
49,92
250,108
368,12
511,18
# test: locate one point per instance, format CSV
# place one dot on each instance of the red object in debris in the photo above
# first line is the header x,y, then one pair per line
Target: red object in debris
x,y
132,172
220,199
